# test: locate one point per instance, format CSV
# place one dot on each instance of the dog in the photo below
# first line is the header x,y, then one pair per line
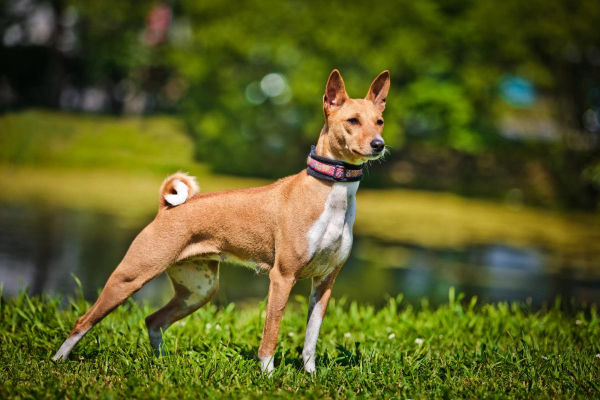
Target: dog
x,y
296,228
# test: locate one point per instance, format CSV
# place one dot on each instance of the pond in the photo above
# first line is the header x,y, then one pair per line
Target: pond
x,y
43,248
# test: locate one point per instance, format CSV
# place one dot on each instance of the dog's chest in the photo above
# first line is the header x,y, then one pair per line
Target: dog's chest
x,y
330,236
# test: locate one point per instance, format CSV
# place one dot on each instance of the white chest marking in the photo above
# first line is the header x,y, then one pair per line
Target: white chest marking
x,y
330,237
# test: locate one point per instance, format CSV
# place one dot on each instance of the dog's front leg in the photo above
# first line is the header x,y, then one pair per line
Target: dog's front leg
x,y
319,299
279,291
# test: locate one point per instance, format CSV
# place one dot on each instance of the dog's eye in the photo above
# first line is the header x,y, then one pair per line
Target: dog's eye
x,y
353,121
379,122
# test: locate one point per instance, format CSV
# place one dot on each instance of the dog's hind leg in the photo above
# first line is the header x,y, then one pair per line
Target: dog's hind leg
x,y
122,283
148,256
195,282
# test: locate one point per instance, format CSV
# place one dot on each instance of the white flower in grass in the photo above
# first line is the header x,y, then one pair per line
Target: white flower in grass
x,y
391,336
208,326
347,335
419,341
218,327
598,355
578,322
544,358
182,323
291,334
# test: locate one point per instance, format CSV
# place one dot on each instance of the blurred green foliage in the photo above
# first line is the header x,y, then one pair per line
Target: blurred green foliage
x,y
248,79
446,59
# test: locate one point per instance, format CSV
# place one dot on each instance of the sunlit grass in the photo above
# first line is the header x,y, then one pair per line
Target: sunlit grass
x,y
460,350
107,164
144,144
443,220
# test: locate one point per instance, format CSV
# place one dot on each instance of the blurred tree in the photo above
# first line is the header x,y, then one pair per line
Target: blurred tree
x,y
233,55
555,45
447,60
248,79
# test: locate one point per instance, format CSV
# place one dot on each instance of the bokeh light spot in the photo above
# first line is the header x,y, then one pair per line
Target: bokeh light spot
x,y
273,85
254,94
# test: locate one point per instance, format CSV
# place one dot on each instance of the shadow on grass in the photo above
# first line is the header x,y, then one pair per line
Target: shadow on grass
x,y
344,357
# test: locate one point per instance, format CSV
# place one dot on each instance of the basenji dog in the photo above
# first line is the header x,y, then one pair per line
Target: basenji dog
x,y
296,228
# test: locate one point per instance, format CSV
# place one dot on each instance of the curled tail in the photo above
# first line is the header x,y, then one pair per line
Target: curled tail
x,y
176,189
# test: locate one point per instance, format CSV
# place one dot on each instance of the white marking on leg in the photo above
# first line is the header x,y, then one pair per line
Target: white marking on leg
x,y
329,244
312,335
267,364
196,281
67,346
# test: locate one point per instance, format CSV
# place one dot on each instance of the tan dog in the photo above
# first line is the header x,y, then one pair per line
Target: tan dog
x,y
298,227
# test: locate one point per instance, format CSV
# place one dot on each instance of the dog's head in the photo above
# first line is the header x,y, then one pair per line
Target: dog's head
x,y
353,126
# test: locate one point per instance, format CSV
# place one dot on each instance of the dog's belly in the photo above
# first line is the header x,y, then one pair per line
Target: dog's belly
x,y
256,266
330,237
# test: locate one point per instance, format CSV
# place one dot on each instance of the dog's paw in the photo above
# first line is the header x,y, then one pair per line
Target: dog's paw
x,y
267,365
309,362
310,367
59,357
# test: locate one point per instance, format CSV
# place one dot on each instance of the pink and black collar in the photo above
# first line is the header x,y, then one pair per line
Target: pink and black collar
x,y
332,170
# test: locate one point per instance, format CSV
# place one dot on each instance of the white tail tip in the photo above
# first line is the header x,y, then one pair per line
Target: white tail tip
x,y
177,189
181,196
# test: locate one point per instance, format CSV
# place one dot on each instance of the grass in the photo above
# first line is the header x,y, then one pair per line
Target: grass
x,y
142,144
459,350
468,350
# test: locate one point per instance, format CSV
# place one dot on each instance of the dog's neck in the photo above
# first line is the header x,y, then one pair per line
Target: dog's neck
x,y
323,148
322,164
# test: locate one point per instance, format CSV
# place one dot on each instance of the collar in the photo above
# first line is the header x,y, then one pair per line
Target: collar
x,y
332,170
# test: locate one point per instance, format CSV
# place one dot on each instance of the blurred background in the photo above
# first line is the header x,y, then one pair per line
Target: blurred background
x,y
493,121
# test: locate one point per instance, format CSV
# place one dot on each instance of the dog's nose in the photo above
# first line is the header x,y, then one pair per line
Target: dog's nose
x,y
378,145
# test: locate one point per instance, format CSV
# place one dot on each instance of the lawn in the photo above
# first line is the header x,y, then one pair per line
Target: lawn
x,y
460,350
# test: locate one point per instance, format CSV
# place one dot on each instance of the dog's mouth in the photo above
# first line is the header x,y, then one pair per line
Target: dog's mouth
x,y
368,157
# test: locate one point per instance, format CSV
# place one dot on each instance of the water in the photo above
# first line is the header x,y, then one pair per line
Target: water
x,y
42,248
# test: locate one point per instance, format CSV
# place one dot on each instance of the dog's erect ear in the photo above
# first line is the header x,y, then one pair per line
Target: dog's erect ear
x,y
335,92
379,90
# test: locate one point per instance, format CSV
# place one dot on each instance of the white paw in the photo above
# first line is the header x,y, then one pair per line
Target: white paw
x,y
267,365
59,356
67,346
310,367
309,363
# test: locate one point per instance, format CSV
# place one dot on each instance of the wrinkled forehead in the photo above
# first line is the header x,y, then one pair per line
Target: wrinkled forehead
x,y
354,107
